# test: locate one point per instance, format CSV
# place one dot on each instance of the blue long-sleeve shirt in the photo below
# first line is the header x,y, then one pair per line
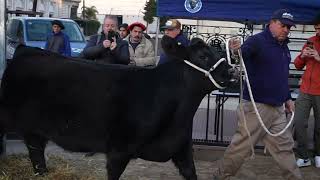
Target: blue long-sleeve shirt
x,y
59,43
181,39
267,63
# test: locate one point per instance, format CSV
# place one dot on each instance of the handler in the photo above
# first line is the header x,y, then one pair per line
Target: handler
x,y
267,57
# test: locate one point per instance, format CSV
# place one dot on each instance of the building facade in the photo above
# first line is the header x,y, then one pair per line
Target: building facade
x,y
49,8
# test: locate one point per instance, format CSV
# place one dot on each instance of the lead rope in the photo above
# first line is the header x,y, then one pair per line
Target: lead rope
x,y
242,111
242,65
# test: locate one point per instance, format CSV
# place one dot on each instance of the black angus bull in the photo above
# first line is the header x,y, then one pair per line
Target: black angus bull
x,y
126,112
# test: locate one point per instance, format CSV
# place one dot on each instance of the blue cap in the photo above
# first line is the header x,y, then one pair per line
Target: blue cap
x,y
284,16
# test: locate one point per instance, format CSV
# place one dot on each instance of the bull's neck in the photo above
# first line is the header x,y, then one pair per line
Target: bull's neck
x,y
197,82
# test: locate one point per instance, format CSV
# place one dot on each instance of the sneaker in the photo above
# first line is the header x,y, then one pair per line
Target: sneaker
x,y
317,161
305,162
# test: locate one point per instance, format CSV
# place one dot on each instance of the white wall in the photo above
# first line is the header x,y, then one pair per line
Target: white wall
x,y
57,8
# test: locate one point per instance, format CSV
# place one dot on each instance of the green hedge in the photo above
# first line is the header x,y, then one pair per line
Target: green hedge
x,y
89,27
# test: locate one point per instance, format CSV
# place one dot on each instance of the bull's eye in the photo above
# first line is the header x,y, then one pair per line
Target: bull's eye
x,y
203,57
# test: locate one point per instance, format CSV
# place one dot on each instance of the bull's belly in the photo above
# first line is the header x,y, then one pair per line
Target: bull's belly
x,y
78,144
159,151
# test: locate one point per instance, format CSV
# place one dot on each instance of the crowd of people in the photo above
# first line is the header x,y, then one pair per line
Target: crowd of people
x,y
267,58
128,44
117,44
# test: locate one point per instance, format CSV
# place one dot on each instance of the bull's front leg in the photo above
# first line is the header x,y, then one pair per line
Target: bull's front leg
x,y
183,160
116,164
36,146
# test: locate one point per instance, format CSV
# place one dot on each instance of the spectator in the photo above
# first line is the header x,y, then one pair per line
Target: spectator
x,y
267,58
140,48
123,30
172,29
57,41
107,47
308,98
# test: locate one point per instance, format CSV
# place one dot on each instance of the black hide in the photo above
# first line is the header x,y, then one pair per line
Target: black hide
x,y
126,112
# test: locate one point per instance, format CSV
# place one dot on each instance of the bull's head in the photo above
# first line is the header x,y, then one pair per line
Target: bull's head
x,y
202,58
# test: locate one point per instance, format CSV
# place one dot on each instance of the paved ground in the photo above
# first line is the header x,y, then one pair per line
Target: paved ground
x,y
261,168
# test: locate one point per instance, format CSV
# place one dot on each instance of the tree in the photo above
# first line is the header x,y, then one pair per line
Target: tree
x,y
90,13
149,11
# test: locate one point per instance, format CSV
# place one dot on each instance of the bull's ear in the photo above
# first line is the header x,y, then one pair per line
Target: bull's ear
x,y
172,48
197,42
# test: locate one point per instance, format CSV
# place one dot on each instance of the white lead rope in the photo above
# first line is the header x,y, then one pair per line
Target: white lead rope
x,y
254,104
207,73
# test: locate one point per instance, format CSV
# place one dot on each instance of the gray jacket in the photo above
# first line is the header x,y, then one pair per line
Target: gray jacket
x,y
143,55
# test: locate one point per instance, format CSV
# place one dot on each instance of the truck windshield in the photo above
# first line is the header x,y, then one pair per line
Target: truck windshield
x,y
38,30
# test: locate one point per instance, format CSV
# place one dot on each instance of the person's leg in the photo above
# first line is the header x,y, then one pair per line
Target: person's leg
x,y
240,146
316,112
302,112
281,147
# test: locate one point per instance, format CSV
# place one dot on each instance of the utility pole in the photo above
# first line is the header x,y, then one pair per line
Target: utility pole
x,y
3,19
83,9
34,7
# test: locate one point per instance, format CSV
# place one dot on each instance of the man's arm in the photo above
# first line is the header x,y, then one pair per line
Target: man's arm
x,y
248,48
67,50
121,52
148,60
300,60
47,43
92,49
289,106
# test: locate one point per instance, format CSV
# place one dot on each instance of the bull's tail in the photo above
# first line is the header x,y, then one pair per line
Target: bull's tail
x,y
4,120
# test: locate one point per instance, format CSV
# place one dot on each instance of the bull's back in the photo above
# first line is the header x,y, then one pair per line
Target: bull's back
x,y
57,96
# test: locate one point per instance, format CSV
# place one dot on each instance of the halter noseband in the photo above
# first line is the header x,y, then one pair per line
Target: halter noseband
x,y
207,73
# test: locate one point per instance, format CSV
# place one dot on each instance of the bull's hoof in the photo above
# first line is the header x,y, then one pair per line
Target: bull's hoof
x,y
41,171
89,154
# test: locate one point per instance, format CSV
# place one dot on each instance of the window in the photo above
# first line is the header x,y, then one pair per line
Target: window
x,y
15,31
38,30
11,29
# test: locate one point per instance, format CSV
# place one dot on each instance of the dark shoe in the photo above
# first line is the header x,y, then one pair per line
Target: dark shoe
x,y
217,175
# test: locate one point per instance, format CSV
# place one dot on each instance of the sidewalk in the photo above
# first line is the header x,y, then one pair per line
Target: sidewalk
x,y
260,168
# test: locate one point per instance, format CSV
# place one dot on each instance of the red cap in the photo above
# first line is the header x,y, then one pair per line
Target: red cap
x,y
143,27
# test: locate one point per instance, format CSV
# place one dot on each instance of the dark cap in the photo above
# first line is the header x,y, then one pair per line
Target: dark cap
x,y
57,22
143,27
284,16
172,24
124,25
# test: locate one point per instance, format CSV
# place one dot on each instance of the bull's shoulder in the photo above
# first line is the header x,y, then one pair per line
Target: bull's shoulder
x,y
22,51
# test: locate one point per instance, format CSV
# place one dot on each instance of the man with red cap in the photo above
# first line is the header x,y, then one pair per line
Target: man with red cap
x,y
140,48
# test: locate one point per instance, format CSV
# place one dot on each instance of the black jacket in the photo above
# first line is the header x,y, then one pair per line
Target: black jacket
x,y
94,50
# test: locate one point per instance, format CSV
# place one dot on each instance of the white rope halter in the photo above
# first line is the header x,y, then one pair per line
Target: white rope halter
x,y
207,73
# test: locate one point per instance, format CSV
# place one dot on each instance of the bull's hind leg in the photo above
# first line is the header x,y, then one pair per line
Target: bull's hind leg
x,y
183,160
36,145
116,164
2,144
